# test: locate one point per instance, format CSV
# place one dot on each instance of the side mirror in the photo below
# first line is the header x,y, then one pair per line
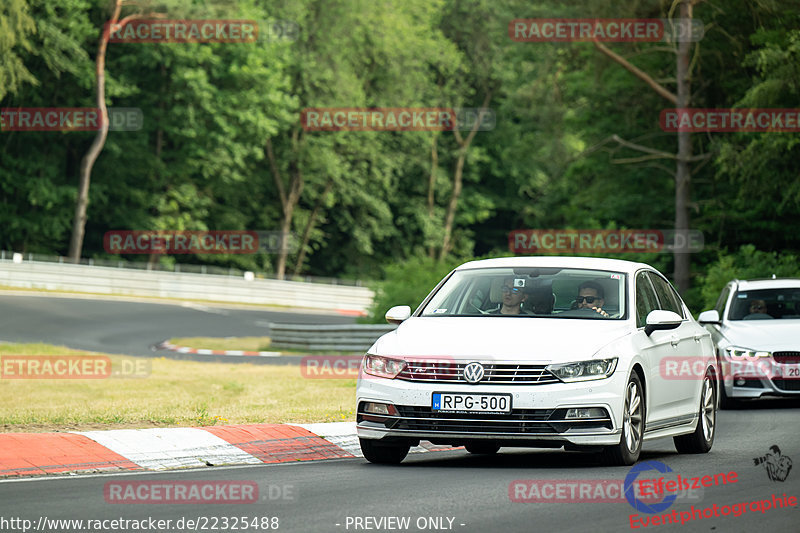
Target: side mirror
x,y
709,317
660,319
398,314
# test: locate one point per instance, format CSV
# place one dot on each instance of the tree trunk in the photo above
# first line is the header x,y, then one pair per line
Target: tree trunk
x,y
309,226
458,177
79,221
683,173
288,201
432,185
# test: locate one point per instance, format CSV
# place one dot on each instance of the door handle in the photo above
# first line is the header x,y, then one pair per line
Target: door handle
x,y
674,342
697,337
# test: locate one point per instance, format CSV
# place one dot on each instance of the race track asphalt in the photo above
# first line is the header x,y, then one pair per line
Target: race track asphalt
x,y
132,327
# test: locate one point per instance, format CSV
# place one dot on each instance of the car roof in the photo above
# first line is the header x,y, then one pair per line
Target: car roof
x,y
756,284
590,263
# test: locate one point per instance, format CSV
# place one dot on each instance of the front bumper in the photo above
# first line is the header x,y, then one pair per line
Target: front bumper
x,y
537,417
751,379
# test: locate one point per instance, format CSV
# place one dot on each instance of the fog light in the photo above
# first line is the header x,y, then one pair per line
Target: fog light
x,y
590,412
379,408
739,381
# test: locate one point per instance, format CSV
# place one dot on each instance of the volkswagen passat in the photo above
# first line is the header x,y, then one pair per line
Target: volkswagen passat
x,y
540,352
755,328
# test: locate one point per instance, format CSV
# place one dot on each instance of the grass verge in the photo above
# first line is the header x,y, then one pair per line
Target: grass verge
x,y
170,394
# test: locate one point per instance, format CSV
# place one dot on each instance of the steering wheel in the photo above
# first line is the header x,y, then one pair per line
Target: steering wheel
x,y
583,312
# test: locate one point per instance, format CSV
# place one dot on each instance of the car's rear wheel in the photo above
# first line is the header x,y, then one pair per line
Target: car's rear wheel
x,y
702,438
484,448
630,442
383,453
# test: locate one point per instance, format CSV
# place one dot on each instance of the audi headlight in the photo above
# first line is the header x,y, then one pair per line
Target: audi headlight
x,y
584,370
383,367
736,352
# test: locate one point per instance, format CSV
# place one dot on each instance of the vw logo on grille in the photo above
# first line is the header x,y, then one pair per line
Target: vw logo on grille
x,y
473,372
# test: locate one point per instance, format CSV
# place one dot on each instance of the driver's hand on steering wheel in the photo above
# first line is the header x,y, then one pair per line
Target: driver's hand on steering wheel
x,y
600,310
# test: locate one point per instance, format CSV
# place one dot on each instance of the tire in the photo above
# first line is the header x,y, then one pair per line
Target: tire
x,y
382,453
725,401
627,451
702,438
482,448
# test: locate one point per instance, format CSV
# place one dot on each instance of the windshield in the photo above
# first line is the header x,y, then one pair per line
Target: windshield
x,y
766,304
531,292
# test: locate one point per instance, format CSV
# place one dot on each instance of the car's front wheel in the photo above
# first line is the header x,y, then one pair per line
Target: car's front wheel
x,y
701,440
630,443
383,453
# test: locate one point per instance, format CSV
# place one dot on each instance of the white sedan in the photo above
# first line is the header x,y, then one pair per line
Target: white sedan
x,y
756,328
548,352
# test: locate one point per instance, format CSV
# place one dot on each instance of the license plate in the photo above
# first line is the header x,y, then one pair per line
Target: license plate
x,y
788,371
471,403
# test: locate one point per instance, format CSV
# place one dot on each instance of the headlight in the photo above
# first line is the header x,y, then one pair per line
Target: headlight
x,y
383,367
584,370
735,352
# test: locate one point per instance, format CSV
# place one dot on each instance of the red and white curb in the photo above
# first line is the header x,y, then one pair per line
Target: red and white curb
x,y
158,449
185,349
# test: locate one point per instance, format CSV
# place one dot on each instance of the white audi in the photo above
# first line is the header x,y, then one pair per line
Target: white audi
x,y
540,352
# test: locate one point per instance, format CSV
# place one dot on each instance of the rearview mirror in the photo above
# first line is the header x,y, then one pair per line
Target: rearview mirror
x,y
660,320
398,314
709,317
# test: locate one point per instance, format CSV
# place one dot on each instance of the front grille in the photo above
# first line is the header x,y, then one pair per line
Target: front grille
x,y
786,358
520,421
787,384
494,373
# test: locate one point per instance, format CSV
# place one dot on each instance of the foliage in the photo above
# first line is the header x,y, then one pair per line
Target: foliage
x,y
746,263
407,283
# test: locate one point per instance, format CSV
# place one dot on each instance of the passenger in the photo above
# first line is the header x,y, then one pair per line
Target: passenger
x,y
512,299
591,296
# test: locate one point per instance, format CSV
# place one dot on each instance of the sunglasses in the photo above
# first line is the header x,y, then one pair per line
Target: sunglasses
x,y
512,290
589,299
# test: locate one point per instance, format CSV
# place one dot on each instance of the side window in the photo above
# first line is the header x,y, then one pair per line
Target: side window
x,y
723,298
668,299
645,299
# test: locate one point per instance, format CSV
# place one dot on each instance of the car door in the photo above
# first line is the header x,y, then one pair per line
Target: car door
x,y
686,341
652,349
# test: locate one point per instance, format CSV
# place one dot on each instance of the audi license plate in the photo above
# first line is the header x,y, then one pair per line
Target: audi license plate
x,y
471,403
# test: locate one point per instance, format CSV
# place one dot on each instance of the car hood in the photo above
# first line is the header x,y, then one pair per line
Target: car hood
x,y
767,335
543,340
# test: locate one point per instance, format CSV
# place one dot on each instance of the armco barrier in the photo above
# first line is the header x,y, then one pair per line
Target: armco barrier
x,y
349,337
181,285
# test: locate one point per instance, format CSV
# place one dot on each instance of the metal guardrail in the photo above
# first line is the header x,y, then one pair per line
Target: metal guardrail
x,y
176,267
349,337
181,285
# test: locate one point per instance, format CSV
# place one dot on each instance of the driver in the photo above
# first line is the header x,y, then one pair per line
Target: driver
x,y
591,296
758,307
